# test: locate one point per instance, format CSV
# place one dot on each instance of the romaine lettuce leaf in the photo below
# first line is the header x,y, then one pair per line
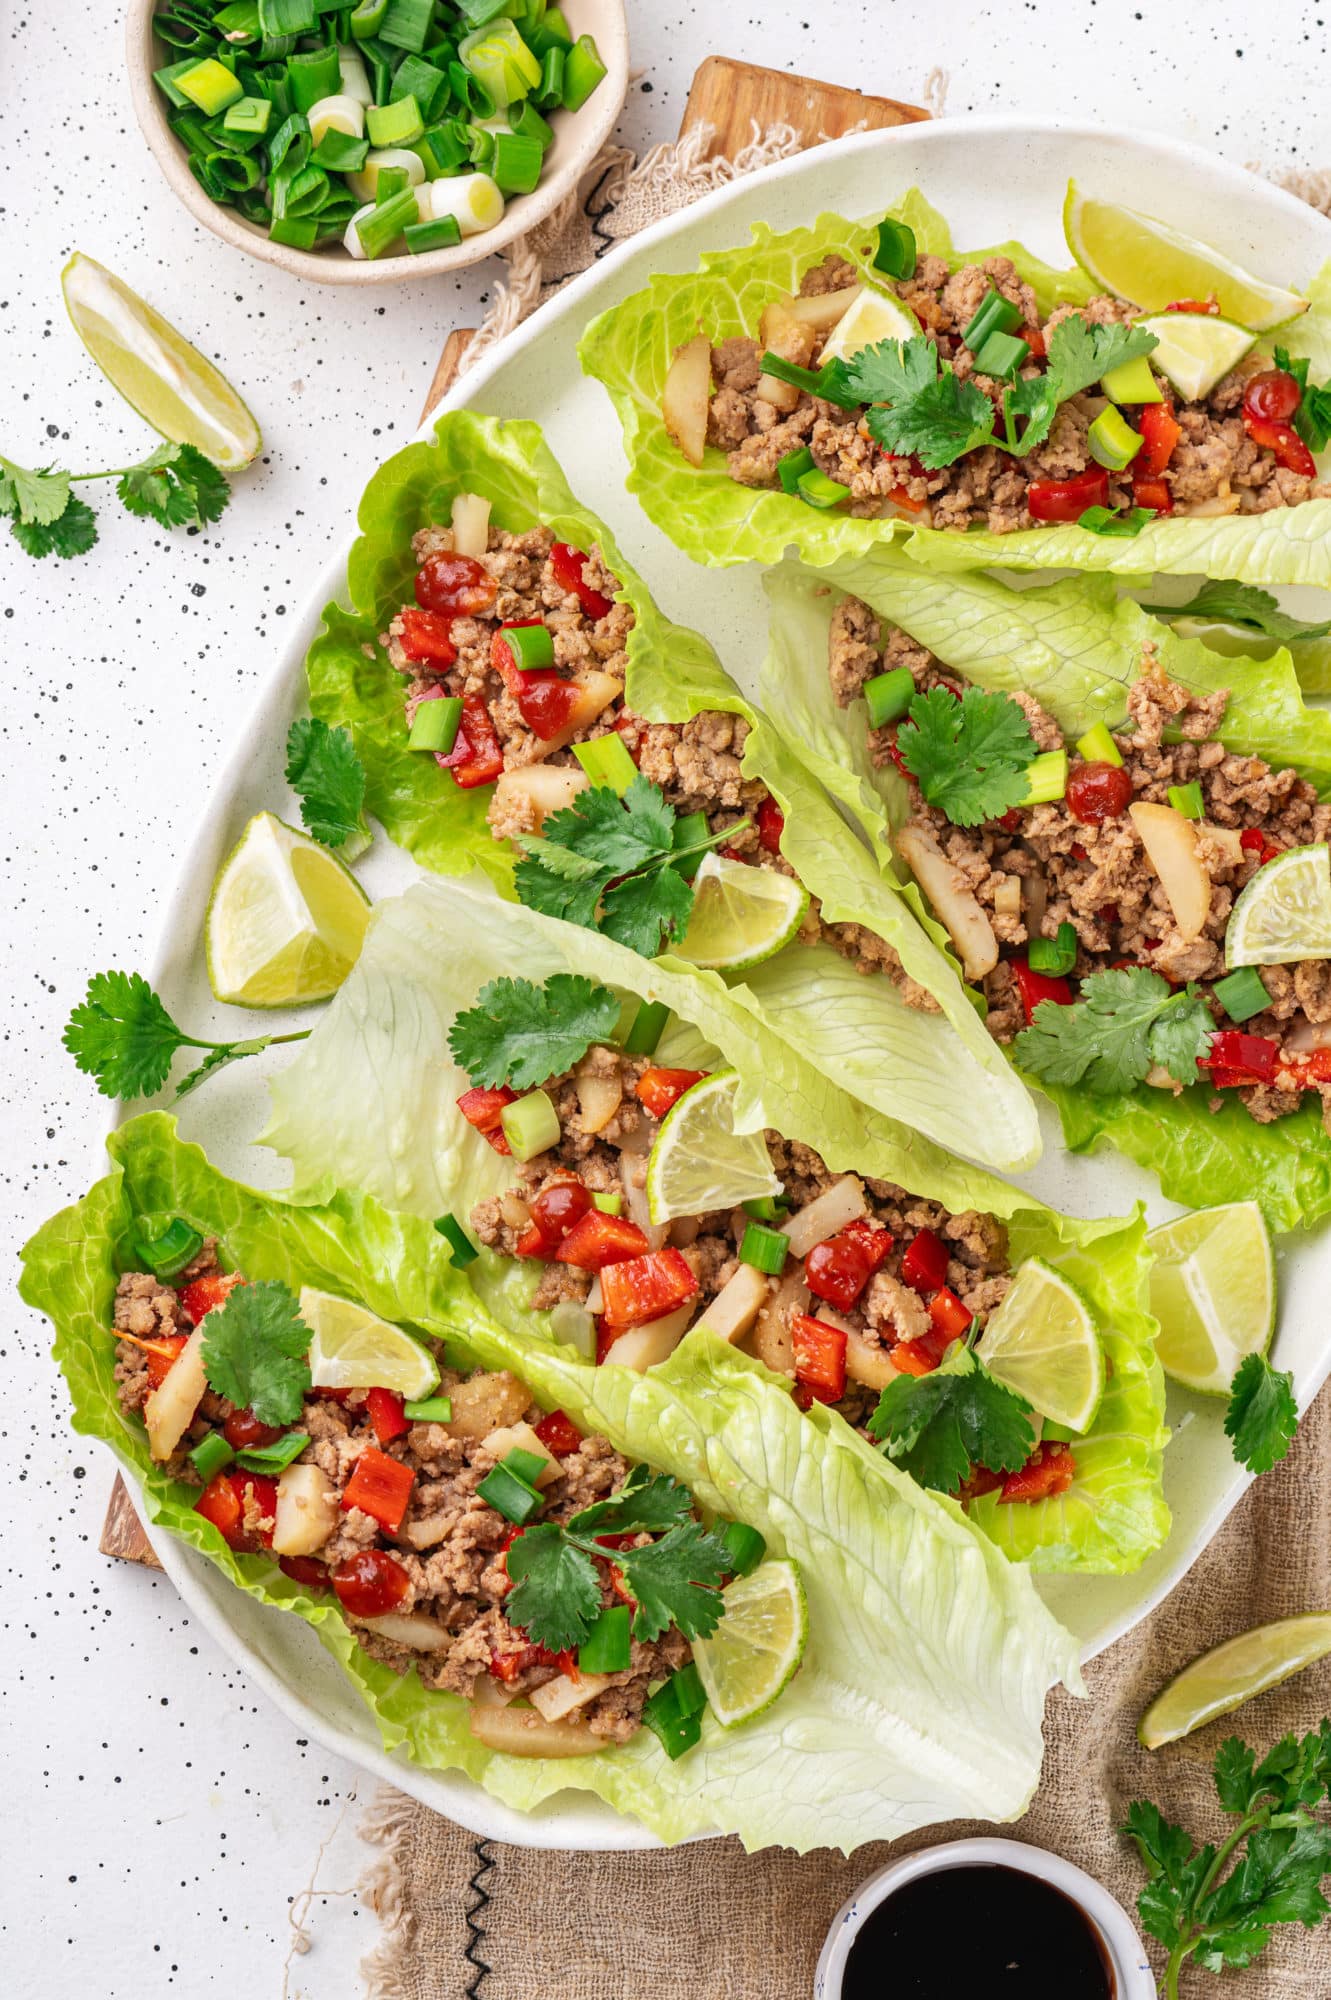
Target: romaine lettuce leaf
x,y
718,522
921,1693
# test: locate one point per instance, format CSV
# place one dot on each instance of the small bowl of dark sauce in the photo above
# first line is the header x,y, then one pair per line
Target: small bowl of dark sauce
x,y
982,1916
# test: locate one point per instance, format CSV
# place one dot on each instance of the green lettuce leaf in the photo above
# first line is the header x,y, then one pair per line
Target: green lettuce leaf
x,y
921,1692
906,1059
716,521
389,1128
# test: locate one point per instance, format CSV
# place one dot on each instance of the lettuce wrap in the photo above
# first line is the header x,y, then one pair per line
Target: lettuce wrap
x,y
921,1691
370,1100
903,1059
1077,647
718,522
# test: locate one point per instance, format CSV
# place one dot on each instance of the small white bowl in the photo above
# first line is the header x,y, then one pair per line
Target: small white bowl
x,y
579,136
1133,1978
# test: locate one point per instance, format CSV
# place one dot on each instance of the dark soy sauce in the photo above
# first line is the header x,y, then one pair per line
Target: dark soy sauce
x,y
977,1931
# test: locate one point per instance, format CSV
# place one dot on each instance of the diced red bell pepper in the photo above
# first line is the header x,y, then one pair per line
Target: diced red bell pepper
x,y
1161,431
950,1317
646,1288
558,1434
913,1357
1253,841
427,638
258,1494
1310,1069
554,1212
658,1089
1244,1058
1034,339
508,1667
162,1355
820,1357
924,1265
476,757
1049,1470
244,1432
606,1336
454,583
305,1570
771,826
1282,439
981,1481
839,1268
1068,499
910,468
1211,305
1153,494
566,563
203,1295
220,1503
481,1108
599,1240
370,1583
386,1415
1035,987
381,1487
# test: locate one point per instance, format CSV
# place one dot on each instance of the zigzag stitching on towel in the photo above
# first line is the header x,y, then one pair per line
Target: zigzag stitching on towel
x,y
476,1932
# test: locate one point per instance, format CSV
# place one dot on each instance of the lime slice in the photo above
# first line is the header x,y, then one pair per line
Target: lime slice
x,y
1233,1673
286,921
154,367
700,1162
1284,914
741,915
352,1349
1042,1343
1196,350
871,317
1213,1290
1136,257
755,1651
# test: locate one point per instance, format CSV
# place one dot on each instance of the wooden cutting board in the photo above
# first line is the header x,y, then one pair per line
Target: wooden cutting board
x,y
733,99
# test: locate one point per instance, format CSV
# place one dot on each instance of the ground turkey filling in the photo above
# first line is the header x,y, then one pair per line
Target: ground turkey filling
x,y
1215,466
1040,866
450,1544
524,579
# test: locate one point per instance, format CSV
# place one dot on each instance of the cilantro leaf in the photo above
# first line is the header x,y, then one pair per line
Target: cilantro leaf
x,y
558,885
175,485
1241,604
72,533
645,909
1104,521
939,425
520,1033
1262,1416
969,757
1312,418
617,834
646,1501
122,1035
324,770
938,1426
556,1594
1181,1036
39,497
891,371
1122,1023
1080,352
676,1581
254,1351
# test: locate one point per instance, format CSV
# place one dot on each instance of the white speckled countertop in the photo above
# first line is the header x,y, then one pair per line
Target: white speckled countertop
x,y
160,1816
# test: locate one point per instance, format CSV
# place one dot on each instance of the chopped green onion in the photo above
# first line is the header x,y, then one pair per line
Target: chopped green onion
x,y
819,491
1097,746
480,147
1188,800
167,1251
608,1647
1046,778
389,181
532,646
235,172
666,1718
442,150
381,228
995,315
210,85
313,77
435,724
529,124
248,114
429,86
430,1410
647,1029
530,1124
210,1455
1000,355
498,57
791,372
470,93
792,468
690,1694
302,232
1112,441
766,1249
550,95
165,79
340,153
746,1545
524,1465
583,71
395,124
276,1457
407,24
1242,994
607,762
552,31
463,1249
895,254
1132,382
510,1496
517,163
286,17
290,145
367,18
440,234
609,1204
1057,954
765,1208
889,696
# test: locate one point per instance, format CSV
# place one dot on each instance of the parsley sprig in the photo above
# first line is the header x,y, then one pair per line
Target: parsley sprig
x,y
1242,604
674,1580
329,778
1219,1905
608,863
1123,1024
938,1427
174,485
1262,1416
123,1036
969,757
255,1346
521,1034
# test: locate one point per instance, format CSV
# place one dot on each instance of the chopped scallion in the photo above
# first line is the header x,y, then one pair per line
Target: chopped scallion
x,y
529,124
1112,441
583,71
210,1455
1046,778
367,18
415,77
746,1545
210,85
463,1249
276,1457
792,468
1242,994
1097,746
895,254
1057,954
766,1249
440,234
300,231
497,56
889,696
765,1208
248,114
995,315
167,1251
313,77
530,1124
517,162
608,1647
407,23
647,1029
550,93
435,724
1188,800
286,17
531,646
380,227
664,1716
818,490
516,1499
395,124
430,1410
1000,355
607,762
609,1204
340,152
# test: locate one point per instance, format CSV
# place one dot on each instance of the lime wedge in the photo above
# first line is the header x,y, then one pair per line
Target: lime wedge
x,y
741,915
700,1162
869,318
1138,258
1196,350
1213,1290
755,1651
352,1349
154,367
1042,1343
1284,914
286,921
1233,1673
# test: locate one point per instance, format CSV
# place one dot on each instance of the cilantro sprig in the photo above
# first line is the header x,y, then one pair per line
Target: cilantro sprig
x,y
123,1037
519,1033
1312,419
175,485
255,1346
969,757
673,1580
1218,1906
329,779
608,864
1242,604
1263,1416
938,1427
1123,1024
